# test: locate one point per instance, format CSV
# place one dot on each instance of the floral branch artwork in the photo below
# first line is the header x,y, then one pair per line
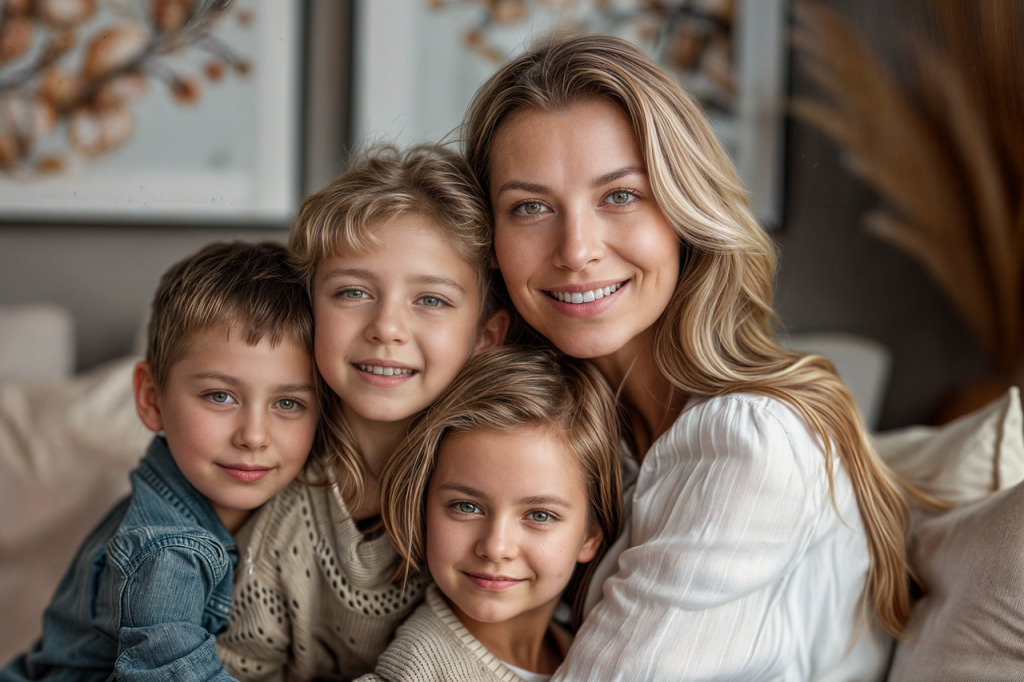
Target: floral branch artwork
x,y
62,70
694,38
946,154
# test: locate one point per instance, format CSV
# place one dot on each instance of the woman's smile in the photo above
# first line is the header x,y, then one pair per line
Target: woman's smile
x,y
588,257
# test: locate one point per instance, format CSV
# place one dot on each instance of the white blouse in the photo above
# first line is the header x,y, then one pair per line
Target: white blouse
x,y
733,565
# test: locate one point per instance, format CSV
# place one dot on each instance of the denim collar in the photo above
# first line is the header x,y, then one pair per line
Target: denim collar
x,y
160,471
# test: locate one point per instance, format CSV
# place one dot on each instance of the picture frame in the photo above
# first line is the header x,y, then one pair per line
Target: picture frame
x,y
215,133
417,68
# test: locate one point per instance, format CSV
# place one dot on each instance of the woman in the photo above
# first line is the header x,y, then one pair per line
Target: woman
x,y
762,521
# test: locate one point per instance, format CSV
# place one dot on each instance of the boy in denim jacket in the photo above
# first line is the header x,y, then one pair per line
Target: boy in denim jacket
x,y
228,380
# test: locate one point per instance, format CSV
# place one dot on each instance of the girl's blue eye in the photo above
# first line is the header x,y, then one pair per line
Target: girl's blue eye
x,y
621,197
288,404
432,301
219,397
467,508
541,516
353,293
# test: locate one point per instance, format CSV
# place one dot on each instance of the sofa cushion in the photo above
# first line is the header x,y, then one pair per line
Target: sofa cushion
x,y
970,625
964,460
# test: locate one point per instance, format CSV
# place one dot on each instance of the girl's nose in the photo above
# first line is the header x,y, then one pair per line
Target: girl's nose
x,y
580,242
388,324
497,542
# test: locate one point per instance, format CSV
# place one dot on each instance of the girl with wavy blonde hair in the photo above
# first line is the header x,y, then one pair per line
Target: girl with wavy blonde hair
x,y
763,525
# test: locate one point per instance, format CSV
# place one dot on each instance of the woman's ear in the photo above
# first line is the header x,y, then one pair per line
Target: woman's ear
x,y
590,546
493,333
147,397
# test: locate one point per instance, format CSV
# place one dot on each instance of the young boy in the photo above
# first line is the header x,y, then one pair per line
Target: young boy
x,y
228,385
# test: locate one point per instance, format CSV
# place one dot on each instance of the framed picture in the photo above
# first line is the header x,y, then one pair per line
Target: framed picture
x,y
418,63
170,111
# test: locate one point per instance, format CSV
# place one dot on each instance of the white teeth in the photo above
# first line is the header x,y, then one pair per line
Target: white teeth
x,y
385,371
586,296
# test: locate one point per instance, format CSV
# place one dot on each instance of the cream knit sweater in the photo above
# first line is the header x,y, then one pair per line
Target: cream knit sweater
x,y
311,596
434,646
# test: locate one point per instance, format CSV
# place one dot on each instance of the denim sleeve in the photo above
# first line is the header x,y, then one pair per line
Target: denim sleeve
x,y
163,614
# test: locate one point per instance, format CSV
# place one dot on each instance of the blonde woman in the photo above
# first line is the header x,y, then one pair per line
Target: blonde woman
x,y
766,539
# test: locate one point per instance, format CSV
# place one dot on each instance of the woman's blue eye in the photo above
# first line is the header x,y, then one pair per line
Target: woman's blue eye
x,y
530,208
541,516
621,197
467,507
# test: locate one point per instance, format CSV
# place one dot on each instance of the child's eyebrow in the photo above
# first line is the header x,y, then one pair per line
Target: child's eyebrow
x,y
349,272
236,383
538,500
438,280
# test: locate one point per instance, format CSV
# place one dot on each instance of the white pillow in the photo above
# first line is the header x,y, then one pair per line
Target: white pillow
x,y
37,341
965,460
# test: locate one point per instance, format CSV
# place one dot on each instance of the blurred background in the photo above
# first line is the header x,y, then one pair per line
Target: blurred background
x,y
881,143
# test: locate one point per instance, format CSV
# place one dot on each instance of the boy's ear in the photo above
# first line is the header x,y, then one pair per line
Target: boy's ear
x,y
147,397
493,333
590,546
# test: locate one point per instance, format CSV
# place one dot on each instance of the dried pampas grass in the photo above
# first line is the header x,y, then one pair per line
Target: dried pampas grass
x,y
947,156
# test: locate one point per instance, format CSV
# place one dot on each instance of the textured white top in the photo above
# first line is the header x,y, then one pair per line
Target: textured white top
x,y
734,564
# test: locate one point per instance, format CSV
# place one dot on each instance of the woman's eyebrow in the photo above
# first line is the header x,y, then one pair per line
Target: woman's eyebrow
x,y
524,186
620,173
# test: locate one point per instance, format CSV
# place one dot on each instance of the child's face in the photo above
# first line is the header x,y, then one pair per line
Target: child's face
x,y
239,419
396,323
507,520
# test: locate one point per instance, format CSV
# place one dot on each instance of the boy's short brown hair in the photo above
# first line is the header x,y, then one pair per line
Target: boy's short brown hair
x,y
250,287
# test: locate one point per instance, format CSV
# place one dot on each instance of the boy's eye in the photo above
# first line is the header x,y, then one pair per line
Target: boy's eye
x,y
466,508
219,397
541,516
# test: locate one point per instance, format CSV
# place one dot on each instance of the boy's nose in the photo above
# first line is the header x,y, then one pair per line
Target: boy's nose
x,y
580,244
252,433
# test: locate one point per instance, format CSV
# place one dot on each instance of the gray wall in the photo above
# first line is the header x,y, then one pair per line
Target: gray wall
x,y
833,275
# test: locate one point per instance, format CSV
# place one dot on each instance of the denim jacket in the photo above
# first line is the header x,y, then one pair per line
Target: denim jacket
x,y
147,593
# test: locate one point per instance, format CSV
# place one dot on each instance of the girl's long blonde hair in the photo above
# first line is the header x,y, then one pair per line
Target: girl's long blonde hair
x,y
716,335
506,389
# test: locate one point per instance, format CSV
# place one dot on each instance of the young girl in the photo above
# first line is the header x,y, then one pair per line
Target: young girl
x,y
508,490
396,264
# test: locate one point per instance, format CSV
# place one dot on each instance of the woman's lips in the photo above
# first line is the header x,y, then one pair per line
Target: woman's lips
x,y
244,474
589,304
492,583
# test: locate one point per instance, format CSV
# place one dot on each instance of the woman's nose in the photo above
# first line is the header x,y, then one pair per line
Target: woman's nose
x,y
580,241
388,324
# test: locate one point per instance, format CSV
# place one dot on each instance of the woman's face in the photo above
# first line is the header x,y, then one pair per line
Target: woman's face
x,y
588,257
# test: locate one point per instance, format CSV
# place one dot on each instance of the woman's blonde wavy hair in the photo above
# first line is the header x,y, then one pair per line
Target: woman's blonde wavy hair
x,y
716,335
383,183
508,389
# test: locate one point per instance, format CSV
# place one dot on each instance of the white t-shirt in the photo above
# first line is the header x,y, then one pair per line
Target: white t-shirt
x,y
734,564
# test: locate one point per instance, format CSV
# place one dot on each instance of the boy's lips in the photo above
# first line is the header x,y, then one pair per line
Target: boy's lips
x,y
246,473
493,583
